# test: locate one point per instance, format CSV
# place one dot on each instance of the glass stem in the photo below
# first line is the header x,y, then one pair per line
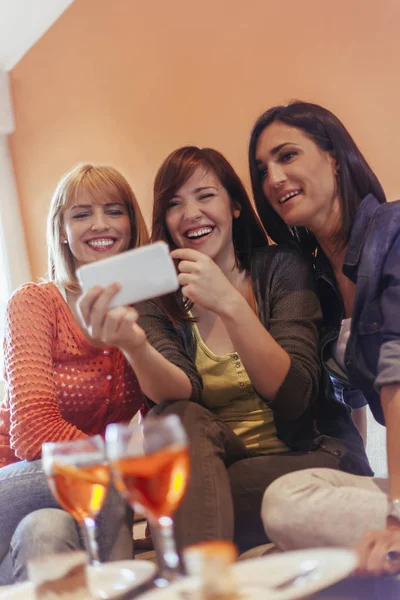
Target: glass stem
x,y
167,554
88,529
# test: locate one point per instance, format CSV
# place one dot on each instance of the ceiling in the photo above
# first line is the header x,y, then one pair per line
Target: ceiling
x,y
22,23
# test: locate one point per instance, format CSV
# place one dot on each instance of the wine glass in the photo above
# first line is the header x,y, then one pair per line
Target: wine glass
x,y
150,468
78,476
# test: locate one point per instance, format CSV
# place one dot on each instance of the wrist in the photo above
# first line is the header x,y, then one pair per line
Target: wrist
x,y
232,306
393,513
133,351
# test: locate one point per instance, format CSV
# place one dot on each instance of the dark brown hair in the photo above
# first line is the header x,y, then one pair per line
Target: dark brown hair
x,y
174,172
355,177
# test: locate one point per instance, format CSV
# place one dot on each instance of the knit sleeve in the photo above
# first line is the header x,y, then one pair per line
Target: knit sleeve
x,y
294,323
164,337
31,393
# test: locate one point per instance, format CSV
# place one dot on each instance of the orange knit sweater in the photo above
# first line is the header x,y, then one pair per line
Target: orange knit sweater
x,y
58,386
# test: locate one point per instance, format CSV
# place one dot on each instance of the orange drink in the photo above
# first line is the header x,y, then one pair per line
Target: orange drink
x,y
78,476
150,467
156,482
80,490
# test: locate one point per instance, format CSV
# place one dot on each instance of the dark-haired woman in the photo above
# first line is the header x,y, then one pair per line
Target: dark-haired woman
x,y
313,186
236,350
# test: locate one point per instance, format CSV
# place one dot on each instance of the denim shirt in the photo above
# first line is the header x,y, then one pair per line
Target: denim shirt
x,y
333,313
372,262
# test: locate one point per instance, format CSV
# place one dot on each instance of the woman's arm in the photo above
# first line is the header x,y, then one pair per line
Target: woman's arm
x,y
390,398
282,362
294,322
375,544
28,361
266,362
160,376
388,376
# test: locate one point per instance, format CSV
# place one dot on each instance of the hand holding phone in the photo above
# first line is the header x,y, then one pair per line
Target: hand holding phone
x,y
142,273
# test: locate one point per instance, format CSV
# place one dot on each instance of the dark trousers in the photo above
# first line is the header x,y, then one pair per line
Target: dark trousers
x,y
227,482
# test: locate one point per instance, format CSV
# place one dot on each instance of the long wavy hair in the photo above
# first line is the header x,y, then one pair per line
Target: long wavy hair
x,y
175,171
355,177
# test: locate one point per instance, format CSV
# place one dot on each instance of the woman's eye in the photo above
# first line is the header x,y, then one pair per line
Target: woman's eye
x,y
80,215
205,196
172,204
262,172
287,156
116,213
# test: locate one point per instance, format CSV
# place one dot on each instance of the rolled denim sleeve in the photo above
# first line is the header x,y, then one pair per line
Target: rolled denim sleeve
x,y
389,354
389,363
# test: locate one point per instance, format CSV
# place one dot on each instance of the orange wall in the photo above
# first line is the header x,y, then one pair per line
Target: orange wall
x,y
125,82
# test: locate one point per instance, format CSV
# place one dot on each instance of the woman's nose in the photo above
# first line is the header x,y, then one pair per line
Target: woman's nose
x,y
192,211
99,222
276,175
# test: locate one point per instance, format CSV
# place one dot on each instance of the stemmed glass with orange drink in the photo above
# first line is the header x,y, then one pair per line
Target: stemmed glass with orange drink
x,y
150,468
78,476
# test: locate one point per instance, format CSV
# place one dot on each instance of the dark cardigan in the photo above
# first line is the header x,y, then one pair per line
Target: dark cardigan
x,y
289,309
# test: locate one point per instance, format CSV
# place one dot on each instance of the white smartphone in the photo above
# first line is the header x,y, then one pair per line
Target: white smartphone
x,y
143,273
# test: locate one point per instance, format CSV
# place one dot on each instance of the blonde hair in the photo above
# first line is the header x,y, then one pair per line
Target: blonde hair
x,y
98,182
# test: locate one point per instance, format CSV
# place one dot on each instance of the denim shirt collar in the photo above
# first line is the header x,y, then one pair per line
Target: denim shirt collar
x,y
363,216
364,213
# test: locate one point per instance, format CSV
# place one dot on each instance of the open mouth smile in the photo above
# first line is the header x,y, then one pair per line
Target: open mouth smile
x,y
101,244
200,233
289,196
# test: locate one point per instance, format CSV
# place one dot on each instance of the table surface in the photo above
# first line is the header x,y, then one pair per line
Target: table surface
x,y
362,588
352,588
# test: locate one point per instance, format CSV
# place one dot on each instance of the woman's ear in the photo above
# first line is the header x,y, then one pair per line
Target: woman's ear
x,y
236,213
334,163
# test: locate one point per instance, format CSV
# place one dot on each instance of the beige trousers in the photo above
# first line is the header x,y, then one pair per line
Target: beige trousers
x,y
323,507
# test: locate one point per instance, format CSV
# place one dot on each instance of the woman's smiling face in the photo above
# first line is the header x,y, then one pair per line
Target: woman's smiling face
x,y
95,229
298,178
200,215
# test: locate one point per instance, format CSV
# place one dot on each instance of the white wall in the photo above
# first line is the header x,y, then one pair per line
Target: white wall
x,y
14,258
11,230
22,23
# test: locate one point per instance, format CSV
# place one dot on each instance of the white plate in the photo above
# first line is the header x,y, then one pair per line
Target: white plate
x,y
106,581
257,576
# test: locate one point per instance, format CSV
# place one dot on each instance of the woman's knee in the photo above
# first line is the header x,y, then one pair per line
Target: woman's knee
x,y
285,502
42,532
49,529
293,501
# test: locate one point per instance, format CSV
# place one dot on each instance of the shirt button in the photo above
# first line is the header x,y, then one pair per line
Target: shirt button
x,y
109,377
107,401
241,384
106,352
348,363
235,356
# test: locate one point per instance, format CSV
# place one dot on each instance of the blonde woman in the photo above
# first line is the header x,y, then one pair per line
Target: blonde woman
x,y
59,385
